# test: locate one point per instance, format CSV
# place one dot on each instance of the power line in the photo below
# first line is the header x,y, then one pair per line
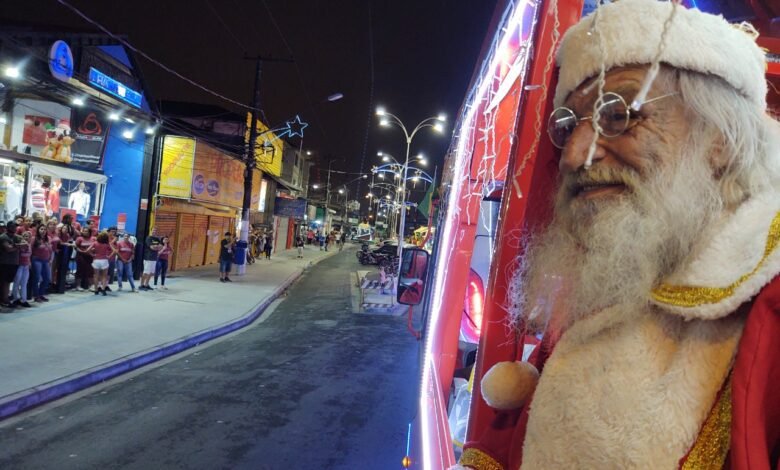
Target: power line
x,y
370,89
224,25
150,59
297,68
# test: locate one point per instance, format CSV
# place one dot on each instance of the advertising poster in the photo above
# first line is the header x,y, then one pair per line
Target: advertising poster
x,y
121,221
36,129
268,148
217,178
177,164
88,135
64,211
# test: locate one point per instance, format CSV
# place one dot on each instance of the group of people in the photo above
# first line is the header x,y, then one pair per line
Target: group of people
x,y
37,255
261,244
326,240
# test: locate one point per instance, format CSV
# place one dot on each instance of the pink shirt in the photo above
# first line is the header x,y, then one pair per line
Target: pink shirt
x,y
101,250
42,251
54,240
84,243
24,255
126,249
164,253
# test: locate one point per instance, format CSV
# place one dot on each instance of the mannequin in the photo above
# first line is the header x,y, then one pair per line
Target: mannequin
x,y
80,200
13,198
37,195
53,198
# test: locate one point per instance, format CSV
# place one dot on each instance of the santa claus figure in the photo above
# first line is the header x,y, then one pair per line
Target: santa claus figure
x,y
662,350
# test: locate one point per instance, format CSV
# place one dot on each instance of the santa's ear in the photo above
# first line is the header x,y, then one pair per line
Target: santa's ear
x,y
719,156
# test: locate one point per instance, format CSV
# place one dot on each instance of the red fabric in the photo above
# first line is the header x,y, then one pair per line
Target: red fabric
x,y
101,250
24,255
755,427
126,249
42,251
755,388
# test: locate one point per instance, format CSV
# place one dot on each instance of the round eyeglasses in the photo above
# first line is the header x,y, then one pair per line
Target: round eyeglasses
x,y
614,118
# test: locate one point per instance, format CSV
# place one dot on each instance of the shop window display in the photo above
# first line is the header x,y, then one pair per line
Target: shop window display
x,y
11,189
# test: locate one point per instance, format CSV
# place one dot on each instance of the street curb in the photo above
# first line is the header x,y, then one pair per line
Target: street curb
x,y
25,400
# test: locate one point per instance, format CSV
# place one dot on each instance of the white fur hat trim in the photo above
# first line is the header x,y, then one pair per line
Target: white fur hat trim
x,y
695,41
507,385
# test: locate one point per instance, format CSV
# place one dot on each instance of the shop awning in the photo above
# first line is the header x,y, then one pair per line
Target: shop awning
x,y
67,173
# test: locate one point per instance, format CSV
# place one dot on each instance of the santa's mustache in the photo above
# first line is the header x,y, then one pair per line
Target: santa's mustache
x,y
574,183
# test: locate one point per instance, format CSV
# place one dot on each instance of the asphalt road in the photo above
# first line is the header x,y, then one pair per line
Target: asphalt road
x,y
315,386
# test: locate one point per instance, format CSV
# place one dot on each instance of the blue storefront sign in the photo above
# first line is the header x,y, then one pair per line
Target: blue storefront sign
x,y
284,207
61,61
114,87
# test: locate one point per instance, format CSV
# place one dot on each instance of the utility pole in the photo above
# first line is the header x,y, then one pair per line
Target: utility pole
x,y
249,157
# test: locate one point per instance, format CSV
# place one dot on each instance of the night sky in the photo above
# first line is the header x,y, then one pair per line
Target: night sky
x,y
423,53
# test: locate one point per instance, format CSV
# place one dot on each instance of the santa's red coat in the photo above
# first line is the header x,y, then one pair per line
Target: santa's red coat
x,y
755,397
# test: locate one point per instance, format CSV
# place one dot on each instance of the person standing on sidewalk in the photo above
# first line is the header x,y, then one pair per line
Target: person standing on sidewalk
x,y
299,243
84,271
225,257
111,258
41,258
260,244
342,240
269,245
100,251
151,249
67,235
161,269
9,260
19,291
54,243
126,250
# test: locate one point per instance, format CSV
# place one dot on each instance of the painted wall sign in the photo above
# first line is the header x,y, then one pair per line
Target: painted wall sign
x,y
61,61
114,87
178,158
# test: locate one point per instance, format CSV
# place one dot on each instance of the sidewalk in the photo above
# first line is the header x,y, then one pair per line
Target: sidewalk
x,y
79,339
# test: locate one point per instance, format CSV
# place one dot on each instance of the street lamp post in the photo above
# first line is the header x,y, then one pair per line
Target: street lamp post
x,y
386,119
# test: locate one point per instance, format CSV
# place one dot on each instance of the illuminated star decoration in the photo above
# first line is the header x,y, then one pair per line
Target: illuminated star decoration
x,y
289,129
294,128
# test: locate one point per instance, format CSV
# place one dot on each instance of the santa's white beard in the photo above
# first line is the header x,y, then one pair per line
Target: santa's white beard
x,y
612,251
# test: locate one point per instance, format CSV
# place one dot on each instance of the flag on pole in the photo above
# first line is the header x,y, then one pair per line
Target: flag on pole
x,y
425,205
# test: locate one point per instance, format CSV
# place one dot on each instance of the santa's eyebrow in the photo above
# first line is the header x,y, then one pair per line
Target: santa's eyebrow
x,y
626,90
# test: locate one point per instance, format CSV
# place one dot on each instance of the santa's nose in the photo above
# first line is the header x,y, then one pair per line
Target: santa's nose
x,y
575,153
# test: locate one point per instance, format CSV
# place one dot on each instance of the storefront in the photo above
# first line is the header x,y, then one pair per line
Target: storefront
x,y
73,132
199,199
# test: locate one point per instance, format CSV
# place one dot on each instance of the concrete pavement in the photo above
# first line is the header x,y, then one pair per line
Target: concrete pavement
x,y
79,339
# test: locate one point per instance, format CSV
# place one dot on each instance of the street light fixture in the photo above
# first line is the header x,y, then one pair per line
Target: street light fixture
x,y
315,186
435,122
12,72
